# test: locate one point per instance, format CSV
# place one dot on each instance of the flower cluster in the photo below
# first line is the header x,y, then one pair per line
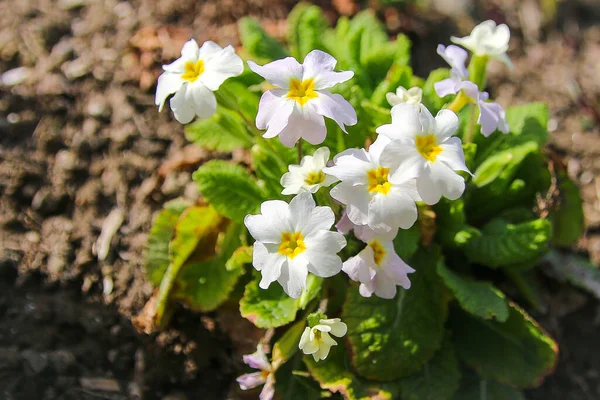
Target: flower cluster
x,y
414,161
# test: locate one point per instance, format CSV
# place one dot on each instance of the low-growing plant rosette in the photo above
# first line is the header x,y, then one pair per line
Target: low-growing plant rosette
x,y
372,217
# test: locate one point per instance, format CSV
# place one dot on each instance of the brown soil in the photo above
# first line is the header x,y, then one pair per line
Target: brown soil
x,y
81,140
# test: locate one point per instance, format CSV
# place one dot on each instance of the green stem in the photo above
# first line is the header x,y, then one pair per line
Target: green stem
x,y
459,102
299,150
477,70
470,132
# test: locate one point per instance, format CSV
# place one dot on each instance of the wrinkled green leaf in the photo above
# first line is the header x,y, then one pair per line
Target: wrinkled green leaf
x,y
406,242
335,374
257,42
224,131
157,256
516,352
437,380
240,257
481,299
568,220
306,26
267,308
293,382
430,98
229,188
285,348
503,244
204,284
393,338
472,387
398,75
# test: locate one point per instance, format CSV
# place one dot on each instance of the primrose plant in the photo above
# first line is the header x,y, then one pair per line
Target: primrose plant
x,y
374,270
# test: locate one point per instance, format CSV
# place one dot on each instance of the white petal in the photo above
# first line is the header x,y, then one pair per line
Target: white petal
x,y
446,124
304,123
428,189
183,106
319,66
396,209
209,49
446,181
359,268
301,207
377,147
427,120
397,270
403,159
337,108
268,391
350,169
189,51
279,72
320,157
220,66
321,252
384,286
339,328
168,83
269,264
306,345
405,123
356,199
320,219
273,113
367,289
293,276
452,154
265,229
205,103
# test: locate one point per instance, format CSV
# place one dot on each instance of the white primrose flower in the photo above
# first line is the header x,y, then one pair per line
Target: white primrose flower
x,y
370,197
413,96
487,39
423,148
292,240
265,376
491,115
309,175
194,76
297,106
317,340
377,267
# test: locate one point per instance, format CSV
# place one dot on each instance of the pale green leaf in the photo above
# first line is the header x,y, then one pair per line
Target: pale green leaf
x,y
267,308
257,42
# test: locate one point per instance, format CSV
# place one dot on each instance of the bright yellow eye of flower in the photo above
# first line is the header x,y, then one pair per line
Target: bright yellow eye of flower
x,y
292,244
314,178
193,70
378,252
378,180
427,146
302,91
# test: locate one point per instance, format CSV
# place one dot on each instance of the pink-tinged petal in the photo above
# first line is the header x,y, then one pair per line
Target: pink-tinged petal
x,y
453,155
269,389
279,72
450,184
470,89
491,117
335,107
205,103
344,225
168,83
397,270
293,276
183,106
446,87
384,286
361,267
396,209
455,57
250,381
258,359
319,65
367,289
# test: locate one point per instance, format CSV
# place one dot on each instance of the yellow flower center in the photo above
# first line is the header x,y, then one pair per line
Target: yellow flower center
x,y
292,244
428,147
193,70
314,178
378,180
302,91
378,252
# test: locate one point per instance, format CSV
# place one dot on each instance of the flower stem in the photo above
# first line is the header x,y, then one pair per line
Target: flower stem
x,y
299,151
459,102
477,69
470,131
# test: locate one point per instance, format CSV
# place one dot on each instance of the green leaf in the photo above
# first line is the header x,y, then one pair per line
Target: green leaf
x,y
393,338
437,380
473,387
306,26
229,188
430,98
157,256
378,59
204,284
267,308
503,163
293,382
240,257
285,348
568,220
503,244
334,374
313,288
517,352
270,161
529,119
257,42
243,103
224,131
481,299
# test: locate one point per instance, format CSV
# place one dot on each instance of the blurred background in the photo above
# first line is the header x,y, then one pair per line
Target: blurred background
x,y
86,159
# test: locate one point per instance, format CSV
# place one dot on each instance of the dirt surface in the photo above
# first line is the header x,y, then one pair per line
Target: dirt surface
x,y
86,160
